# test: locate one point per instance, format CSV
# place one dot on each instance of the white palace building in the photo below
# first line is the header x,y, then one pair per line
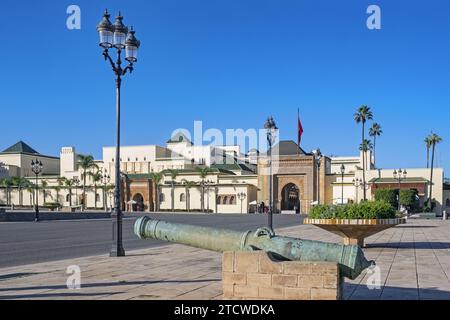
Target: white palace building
x,y
232,182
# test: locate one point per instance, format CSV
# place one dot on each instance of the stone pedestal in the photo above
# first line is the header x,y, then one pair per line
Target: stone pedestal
x,y
255,276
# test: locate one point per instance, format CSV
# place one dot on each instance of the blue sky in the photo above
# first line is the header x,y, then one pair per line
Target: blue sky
x,y
231,64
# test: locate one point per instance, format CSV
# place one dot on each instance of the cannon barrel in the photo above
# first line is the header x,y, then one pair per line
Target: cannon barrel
x,y
351,259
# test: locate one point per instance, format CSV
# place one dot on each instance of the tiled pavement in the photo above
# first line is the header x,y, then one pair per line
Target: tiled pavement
x,y
414,260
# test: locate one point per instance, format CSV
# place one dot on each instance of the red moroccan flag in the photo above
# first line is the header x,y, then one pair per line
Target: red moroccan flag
x,y
300,129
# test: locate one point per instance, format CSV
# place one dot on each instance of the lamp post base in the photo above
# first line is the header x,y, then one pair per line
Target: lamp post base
x,y
36,215
117,249
115,252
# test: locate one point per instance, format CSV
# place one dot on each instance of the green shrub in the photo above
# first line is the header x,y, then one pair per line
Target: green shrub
x,y
387,195
408,197
363,210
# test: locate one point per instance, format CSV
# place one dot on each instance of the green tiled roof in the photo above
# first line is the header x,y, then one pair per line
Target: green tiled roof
x,y
20,147
393,180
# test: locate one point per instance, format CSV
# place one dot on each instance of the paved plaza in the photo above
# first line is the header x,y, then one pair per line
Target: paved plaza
x,y
414,260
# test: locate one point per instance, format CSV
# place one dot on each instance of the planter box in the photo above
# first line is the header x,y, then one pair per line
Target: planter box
x,y
354,231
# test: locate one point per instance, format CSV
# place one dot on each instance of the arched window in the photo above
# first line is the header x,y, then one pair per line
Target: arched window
x,y
447,203
182,197
97,197
219,200
162,197
232,200
225,200
68,198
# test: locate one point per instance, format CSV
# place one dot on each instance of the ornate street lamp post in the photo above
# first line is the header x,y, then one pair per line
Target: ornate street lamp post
x,y
106,178
36,167
242,196
399,176
76,182
118,36
271,128
342,182
318,158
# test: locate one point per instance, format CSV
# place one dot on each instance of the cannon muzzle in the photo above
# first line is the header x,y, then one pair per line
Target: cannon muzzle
x,y
351,259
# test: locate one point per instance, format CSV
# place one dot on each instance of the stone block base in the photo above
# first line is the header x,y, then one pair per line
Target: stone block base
x,y
255,276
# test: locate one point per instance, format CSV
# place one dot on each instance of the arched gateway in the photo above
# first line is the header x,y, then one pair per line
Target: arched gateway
x,y
290,198
138,204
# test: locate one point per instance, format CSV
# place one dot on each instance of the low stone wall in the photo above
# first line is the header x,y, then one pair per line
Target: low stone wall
x,y
254,276
50,216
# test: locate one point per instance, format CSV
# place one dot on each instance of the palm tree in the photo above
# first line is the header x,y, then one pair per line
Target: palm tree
x,y
434,140
428,144
96,178
7,183
361,116
375,131
173,175
364,147
20,184
156,178
30,190
188,185
44,185
58,188
86,163
69,183
203,173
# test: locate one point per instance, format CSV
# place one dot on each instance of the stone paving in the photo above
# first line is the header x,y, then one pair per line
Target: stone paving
x,y
414,261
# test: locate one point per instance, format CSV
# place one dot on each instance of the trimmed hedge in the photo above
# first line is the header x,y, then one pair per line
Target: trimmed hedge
x,y
363,210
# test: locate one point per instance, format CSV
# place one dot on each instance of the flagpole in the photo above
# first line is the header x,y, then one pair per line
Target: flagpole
x,y
298,128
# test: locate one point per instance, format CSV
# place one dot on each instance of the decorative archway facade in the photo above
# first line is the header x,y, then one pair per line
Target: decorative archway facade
x,y
139,189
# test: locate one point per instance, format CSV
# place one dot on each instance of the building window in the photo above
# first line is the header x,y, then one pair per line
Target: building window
x,y
225,200
232,200
68,198
447,203
145,159
162,197
97,197
182,197
219,199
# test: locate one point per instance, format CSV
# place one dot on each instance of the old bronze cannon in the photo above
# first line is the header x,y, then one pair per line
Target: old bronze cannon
x,y
351,259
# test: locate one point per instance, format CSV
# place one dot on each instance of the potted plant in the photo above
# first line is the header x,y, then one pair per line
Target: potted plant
x,y
355,222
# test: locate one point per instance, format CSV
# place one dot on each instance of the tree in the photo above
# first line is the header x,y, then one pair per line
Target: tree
x,y
364,147
362,115
156,178
44,185
20,184
188,185
86,163
428,145
96,178
408,198
69,183
203,172
434,140
375,131
30,190
173,175
58,188
7,183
